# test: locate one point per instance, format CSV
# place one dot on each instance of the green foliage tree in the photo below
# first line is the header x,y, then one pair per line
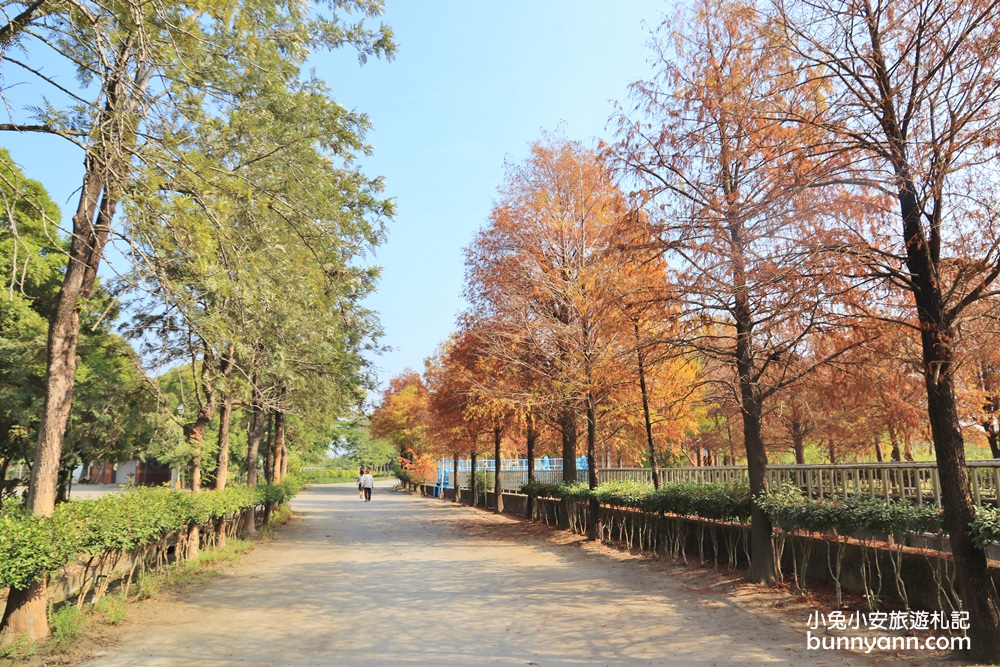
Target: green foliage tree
x,y
112,411
151,76
355,446
31,267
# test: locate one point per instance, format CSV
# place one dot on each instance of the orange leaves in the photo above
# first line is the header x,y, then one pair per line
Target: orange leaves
x,y
419,468
403,417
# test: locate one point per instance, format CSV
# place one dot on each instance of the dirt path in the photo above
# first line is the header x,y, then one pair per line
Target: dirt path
x,y
408,581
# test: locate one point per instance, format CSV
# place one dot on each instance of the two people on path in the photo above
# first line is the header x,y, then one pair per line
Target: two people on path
x,y
366,483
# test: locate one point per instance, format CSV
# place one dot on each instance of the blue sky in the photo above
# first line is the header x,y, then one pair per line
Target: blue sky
x,y
473,83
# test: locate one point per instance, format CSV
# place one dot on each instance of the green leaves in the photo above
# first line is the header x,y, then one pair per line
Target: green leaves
x,y
791,510
32,546
985,528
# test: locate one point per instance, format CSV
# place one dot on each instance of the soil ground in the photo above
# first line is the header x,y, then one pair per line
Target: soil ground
x,y
405,580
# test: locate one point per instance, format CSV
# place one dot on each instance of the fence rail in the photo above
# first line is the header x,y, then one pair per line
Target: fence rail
x,y
917,482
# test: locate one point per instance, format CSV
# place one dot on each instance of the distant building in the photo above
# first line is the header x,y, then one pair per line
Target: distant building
x,y
141,473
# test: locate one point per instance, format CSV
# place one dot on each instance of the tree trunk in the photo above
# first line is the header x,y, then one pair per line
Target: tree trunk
x,y
975,586
994,439
497,488
799,442
530,436
62,488
280,453
103,162
220,532
472,480
762,567
269,449
196,470
4,467
222,456
193,542
567,427
454,481
25,614
227,367
653,470
595,507
894,454
222,464
254,436
194,431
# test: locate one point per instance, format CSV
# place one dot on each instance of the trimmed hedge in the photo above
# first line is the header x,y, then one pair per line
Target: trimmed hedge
x,y
32,546
789,508
724,501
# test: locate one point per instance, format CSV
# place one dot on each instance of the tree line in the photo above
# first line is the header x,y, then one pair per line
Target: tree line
x,y
790,243
227,177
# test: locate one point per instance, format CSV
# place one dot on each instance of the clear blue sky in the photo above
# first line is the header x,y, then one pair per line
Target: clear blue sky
x,y
473,83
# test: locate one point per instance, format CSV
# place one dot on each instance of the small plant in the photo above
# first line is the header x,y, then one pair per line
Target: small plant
x,y
113,608
484,484
66,622
148,585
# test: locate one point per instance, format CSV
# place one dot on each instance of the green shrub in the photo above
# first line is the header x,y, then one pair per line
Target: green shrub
x,y
540,490
32,546
790,509
985,528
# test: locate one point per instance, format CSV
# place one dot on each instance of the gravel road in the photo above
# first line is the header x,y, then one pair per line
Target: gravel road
x,y
409,581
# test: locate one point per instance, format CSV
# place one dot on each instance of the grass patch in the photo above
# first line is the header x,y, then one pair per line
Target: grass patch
x,y
22,648
331,476
327,476
112,609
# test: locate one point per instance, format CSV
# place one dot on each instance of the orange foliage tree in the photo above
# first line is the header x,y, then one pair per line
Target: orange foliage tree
x,y
913,101
542,270
463,414
403,418
726,187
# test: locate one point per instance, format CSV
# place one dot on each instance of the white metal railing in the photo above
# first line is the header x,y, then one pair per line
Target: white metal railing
x,y
513,480
914,481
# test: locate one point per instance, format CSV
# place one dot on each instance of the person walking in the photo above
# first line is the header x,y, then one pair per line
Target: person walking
x,y
361,474
367,482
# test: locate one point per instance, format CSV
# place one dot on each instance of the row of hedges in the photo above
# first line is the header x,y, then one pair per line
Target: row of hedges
x,y
724,501
32,547
789,508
